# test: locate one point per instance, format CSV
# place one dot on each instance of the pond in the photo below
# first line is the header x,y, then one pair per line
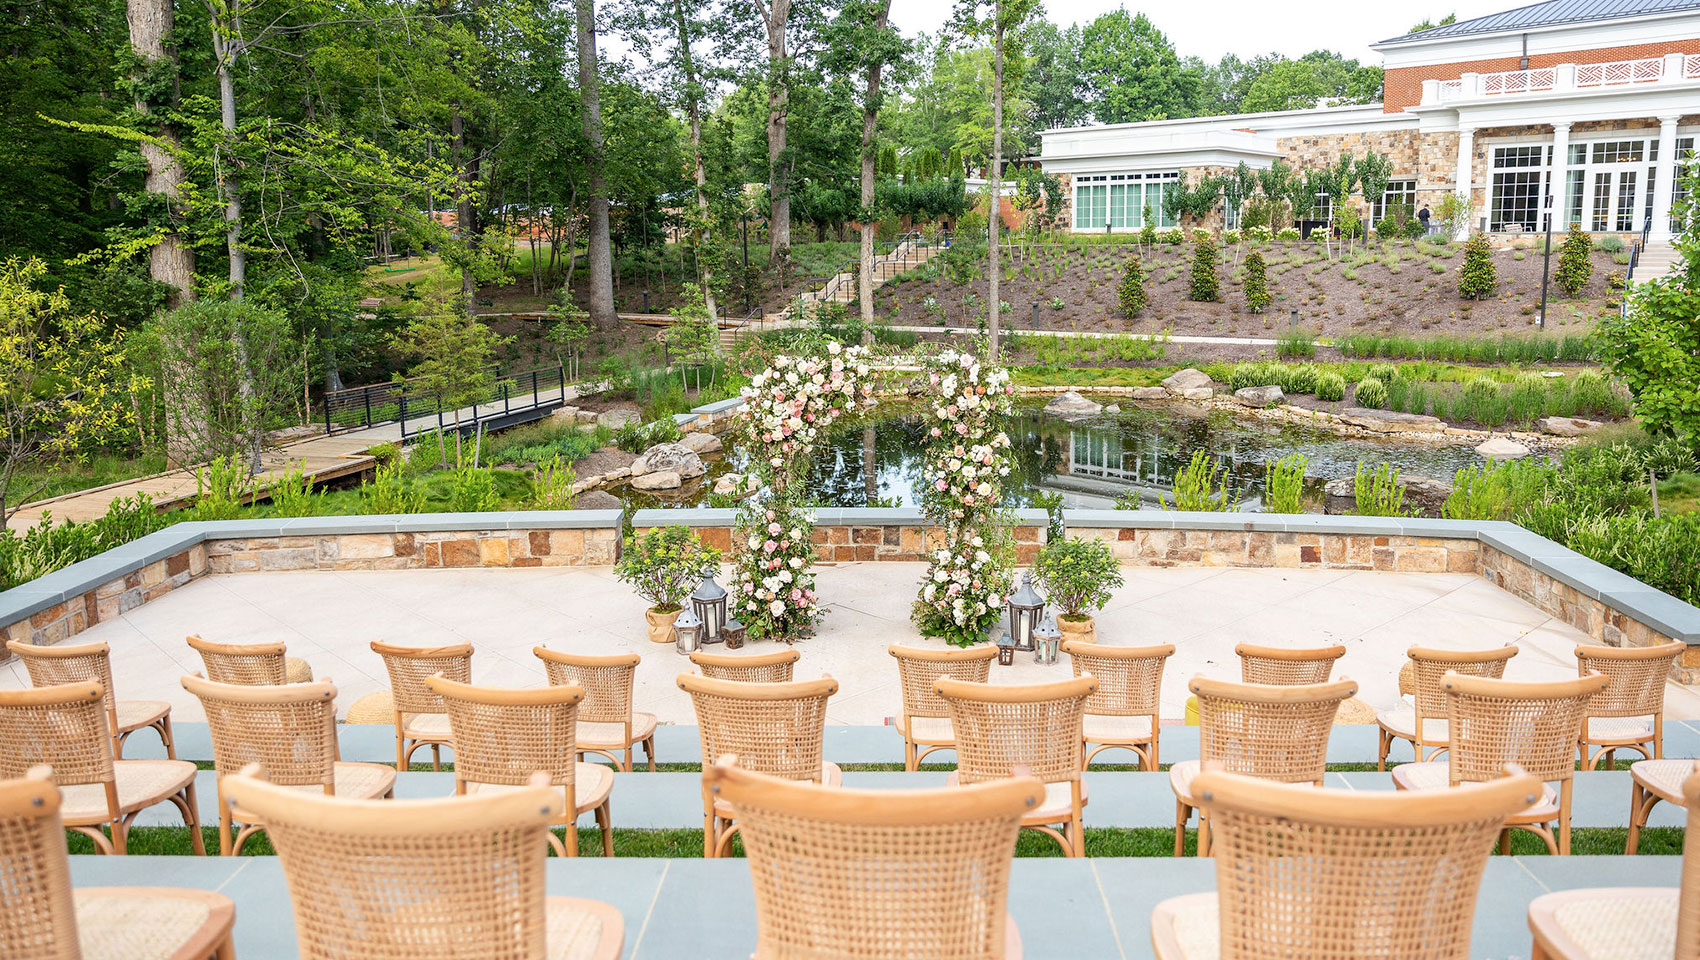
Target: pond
x,y
875,460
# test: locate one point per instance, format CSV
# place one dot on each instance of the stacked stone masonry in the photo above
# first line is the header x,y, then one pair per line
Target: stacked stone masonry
x,y
852,543
1246,548
112,599
416,551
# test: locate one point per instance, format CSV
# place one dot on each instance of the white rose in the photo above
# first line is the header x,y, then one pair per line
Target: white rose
x,y
777,608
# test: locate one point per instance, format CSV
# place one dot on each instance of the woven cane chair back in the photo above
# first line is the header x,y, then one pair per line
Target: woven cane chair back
x,y
1271,732
870,875
772,728
1342,875
773,667
918,667
1534,725
69,663
1429,667
40,918
1130,679
999,727
1637,674
607,682
459,878
288,729
255,664
410,667
62,726
1287,666
504,736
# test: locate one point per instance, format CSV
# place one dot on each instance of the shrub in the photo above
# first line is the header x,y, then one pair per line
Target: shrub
x,y
1387,228
1173,238
473,490
385,453
1196,487
1609,244
1078,574
1385,372
1297,377
1256,283
1148,234
1478,279
1288,235
1204,287
665,565
1230,237
1379,492
292,496
1258,234
552,486
1371,393
1616,280
1131,293
1284,484
1330,386
222,489
1576,262
391,492
48,546
1250,375
1414,229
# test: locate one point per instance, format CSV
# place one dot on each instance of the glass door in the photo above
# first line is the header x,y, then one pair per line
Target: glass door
x,y
1611,201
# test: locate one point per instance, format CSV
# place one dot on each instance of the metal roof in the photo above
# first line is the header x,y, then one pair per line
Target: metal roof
x,y
1550,13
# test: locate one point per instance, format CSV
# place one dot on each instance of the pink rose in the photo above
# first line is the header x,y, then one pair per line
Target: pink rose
x,y
796,594
768,547
774,528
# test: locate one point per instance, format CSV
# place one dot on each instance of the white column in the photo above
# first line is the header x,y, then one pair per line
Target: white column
x,y
1557,178
1664,181
1461,178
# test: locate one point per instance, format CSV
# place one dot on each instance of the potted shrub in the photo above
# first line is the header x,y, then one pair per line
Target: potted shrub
x,y
664,566
1079,575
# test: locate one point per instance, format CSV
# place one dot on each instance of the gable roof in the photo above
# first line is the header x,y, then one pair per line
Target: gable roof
x,y
1550,13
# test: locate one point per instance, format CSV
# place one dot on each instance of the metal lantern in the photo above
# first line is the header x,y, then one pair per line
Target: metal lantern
x,y
709,604
1006,650
734,634
1025,609
687,633
1047,639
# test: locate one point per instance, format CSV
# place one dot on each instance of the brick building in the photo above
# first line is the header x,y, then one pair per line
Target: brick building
x,y
1591,101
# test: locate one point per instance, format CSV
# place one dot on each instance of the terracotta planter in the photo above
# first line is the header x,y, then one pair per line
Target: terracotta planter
x,y
660,624
1083,631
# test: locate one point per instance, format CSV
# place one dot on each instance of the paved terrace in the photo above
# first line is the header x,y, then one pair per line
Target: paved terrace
x,y
688,908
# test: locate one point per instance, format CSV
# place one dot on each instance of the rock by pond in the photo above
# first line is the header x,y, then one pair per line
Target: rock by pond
x,y
1260,396
1189,379
669,458
1072,404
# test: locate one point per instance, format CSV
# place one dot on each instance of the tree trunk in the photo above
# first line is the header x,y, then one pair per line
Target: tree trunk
x,y
869,222
171,261
693,108
601,260
777,18
463,204
996,213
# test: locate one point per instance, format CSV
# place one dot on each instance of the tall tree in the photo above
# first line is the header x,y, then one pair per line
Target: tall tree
x,y
699,170
601,253
171,261
776,18
863,41
1136,73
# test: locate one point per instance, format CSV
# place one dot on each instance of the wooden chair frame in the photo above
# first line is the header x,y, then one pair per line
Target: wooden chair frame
x,y
412,698
519,757
1130,684
1429,666
1637,689
1034,727
74,663
608,677
248,663
774,667
917,668
1283,666
1649,783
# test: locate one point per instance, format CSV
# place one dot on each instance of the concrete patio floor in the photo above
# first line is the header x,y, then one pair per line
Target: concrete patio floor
x,y
329,618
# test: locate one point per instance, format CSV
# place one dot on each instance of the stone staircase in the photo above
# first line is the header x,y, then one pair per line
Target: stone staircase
x,y
1656,260
841,288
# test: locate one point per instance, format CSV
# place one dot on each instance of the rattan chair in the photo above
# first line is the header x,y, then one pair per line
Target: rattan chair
x,y
1287,666
1266,731
44,919
1651,781
1613,923
502,737
1423,722
1122,712
876,874
250,663
455,878
290,731
1026,730
925,724
772,667
419,717
1338,874
65,727
1630,712
1496,722
606,720
772,728
76,663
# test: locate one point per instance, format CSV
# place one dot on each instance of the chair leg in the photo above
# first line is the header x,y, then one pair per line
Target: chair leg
x,y
1383,747
1077,834
1635,820
649,752
1203,834
120,837
571,836
164,727
1564,791
1182,814
605,820
226,949
910,763
400,751
224,842
708,836
627,767
436,758
1505,841
723,846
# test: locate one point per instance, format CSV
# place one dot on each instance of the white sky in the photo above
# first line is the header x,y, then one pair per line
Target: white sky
x,y
1244,27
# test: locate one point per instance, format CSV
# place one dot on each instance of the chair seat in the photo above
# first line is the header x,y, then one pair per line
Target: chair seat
x,y
297,670
1437,775
577,929
1617,729
1401,721
150,923
830,776
1107,728
136,714
592,783
427,727
1180,778
1624,923
1058,805
1662,778
354,781
1187,928
931,731
141,783
614,734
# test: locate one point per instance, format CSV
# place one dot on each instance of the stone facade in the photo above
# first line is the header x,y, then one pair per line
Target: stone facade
x,y
1249,548
111,599
416,551
1403,86
873,542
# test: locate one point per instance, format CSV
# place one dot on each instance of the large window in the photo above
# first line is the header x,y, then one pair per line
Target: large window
x,y
1679,192
1399,193
1120,200
1519,180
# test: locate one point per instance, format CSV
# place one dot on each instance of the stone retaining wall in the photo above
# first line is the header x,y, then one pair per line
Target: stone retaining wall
x,y
1245,548
415,551
111,599
847,536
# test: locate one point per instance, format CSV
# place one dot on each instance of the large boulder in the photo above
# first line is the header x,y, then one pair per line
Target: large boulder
x,y
1189,379
657,480
1198,393
1567,426
1502,448
1260,396
618,417
669,458
1149,393
735,485
1072,404
701,443
1422,494
598,500
1390,421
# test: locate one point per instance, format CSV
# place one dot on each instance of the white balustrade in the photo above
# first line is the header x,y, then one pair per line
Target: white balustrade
x,y
1566,76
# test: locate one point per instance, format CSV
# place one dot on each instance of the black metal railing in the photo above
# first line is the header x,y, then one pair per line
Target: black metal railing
x,y
401,401
1635,251
904,252
512,393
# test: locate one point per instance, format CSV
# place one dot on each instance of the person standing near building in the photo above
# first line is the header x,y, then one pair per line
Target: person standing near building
x,y
1423,218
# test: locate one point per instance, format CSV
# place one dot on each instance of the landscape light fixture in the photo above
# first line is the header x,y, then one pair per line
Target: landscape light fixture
x,y
1047,640
1025,609
708,602
687,633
